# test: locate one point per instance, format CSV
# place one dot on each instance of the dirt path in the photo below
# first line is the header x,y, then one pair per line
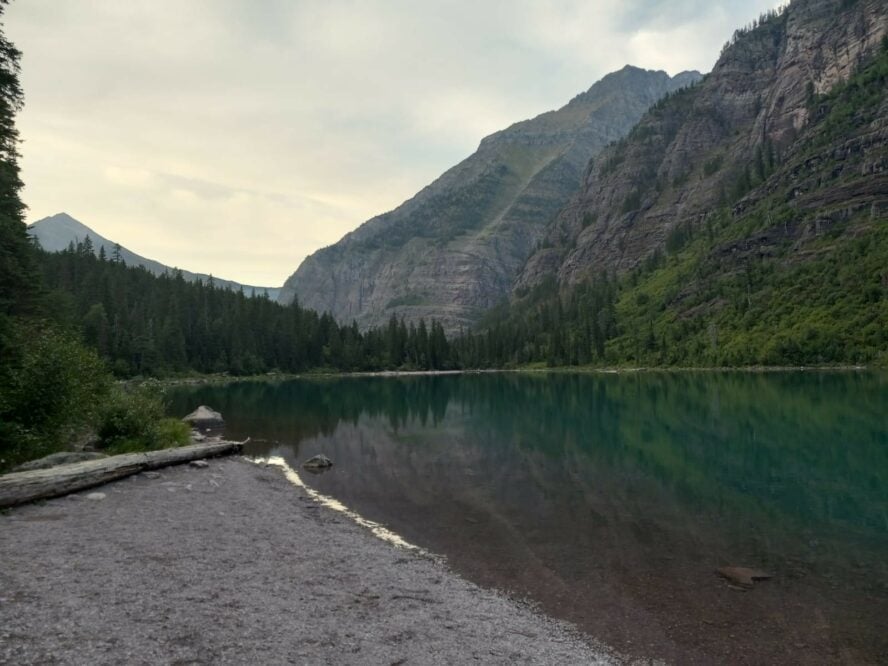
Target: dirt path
x,y
233,564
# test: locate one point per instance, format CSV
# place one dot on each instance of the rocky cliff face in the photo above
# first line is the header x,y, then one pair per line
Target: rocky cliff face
x,y
455,248
722,142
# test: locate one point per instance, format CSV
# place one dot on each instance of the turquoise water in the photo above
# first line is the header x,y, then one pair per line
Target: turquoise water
x,y
610,500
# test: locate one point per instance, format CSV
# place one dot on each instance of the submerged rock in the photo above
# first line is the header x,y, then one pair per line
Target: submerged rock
x,y
743,575
318,462
62,458
200,464
204,416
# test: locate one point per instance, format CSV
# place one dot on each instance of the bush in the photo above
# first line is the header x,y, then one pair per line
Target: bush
x,y
172,432
49,393
133,420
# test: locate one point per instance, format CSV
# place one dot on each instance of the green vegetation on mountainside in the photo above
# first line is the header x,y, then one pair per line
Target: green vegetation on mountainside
x,y
776,284
792,274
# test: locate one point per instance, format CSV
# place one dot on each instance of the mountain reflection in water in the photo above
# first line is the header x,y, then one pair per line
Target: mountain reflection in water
x,y
611,499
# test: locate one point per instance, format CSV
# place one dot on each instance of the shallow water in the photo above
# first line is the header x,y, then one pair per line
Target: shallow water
x,y
610,500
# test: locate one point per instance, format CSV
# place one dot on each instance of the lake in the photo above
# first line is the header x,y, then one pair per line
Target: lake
x,y
611,499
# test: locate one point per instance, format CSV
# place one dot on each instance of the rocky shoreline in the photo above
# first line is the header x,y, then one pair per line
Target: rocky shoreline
x,y
231,563
278,377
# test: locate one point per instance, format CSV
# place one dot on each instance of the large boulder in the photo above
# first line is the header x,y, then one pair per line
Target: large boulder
x,y
61,458
204,416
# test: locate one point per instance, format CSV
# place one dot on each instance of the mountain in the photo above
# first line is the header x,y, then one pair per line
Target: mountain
x,y
744,220
705,147
57,232
454,249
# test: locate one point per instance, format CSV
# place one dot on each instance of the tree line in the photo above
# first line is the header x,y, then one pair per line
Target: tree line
x,y
144,324
149,325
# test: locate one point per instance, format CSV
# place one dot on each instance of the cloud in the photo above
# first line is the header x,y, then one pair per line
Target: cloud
x,y
235,138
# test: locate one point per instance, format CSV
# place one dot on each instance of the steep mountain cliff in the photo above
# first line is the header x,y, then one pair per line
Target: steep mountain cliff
x,y
707,146
742,221
454,249
57,232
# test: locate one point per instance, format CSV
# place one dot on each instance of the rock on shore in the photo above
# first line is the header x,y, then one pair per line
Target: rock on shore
x,y
204,416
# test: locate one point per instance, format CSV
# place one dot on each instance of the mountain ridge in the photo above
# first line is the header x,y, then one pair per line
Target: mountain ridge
x,y
742,222
452,250
56,232
685,159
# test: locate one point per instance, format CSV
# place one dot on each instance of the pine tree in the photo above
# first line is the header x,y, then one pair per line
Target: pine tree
x,y
87,247
19,280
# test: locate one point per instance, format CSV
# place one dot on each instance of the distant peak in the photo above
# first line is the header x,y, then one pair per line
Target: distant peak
x,y
633,72
632,69
58,218
629,75
690,75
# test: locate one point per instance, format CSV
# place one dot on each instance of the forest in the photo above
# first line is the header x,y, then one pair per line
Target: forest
x,y
145,325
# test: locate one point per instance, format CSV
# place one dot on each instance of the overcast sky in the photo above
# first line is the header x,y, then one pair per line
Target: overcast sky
x,y
235,137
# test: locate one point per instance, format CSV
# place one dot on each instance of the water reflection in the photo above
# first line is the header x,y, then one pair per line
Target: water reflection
x,y
611,498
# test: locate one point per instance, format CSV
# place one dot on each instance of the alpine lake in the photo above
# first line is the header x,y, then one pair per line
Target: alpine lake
x,y
610,500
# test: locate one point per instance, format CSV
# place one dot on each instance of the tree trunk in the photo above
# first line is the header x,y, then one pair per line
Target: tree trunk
x,y
21,487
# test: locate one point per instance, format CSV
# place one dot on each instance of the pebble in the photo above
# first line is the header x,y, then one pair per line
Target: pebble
x,y
96,496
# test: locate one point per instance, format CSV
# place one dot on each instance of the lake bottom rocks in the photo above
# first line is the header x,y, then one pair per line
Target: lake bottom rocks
x,y
317,463
743,576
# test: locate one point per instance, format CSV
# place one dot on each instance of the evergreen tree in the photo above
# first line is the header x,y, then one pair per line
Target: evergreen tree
x,y
19,280
51,387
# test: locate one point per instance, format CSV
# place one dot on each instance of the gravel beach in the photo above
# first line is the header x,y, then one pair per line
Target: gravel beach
x,y
232,564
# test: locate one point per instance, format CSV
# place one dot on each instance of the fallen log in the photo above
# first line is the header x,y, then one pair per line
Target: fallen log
x,y
21,487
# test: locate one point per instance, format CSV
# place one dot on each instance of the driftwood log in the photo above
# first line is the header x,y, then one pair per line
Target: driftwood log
x,y
21,487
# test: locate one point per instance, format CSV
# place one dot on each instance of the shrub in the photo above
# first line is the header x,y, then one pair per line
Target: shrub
x,y
133,420
49,393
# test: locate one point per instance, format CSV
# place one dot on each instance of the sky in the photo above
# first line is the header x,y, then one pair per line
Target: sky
x,y
236,137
